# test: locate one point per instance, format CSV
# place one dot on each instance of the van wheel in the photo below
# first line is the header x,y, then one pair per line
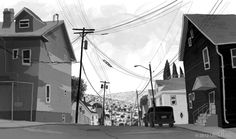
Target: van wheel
x,y
171,125
160,125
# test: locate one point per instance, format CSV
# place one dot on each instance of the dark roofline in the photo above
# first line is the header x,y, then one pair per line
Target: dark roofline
x,y
29,12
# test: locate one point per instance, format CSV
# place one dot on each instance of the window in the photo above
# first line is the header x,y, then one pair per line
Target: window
x,y
160,99
24,23
233,57
26,57
193,96
189,42
173,100
15,53
48,93
206,59
191,33
190,104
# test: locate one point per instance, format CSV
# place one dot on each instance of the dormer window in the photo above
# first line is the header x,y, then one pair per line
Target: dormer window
x,y
24,23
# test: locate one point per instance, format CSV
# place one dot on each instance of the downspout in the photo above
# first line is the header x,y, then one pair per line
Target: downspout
x,y
223,83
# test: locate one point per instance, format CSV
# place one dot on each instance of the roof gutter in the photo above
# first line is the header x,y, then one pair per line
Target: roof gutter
x,y
223,83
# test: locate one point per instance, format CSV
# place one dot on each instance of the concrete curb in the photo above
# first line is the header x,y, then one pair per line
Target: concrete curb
x,y
202,132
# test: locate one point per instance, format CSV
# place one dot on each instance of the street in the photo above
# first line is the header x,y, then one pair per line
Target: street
x,y
99,132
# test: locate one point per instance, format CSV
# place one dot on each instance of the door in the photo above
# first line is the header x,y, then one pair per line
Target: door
x,y
6,100
212,106
22,101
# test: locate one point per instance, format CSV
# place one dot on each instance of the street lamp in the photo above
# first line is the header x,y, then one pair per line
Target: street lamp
x,y
153,101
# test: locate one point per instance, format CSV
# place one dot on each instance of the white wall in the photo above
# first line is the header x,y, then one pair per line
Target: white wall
x,y
181,106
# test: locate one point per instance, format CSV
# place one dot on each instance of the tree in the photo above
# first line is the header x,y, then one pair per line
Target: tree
x,y
166,74
181,73
74,88
174,71
143,100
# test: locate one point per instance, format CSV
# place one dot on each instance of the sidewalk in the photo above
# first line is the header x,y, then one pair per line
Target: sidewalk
x,y
227,133
4,124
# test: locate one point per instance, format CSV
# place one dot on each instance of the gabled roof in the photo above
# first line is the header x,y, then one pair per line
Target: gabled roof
x,y
29,12
41,32
172,84
219,29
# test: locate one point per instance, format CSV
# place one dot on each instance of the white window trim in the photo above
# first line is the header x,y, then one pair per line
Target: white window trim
x,y
204,60
190,43
17,51
48,99
24,23
190,101
23,63
232,57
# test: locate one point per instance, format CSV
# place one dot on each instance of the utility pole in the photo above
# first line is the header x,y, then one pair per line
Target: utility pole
x,y
139,124
153,101
82,32
103,107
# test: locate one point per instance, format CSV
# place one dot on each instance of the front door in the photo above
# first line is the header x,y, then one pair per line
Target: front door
x,y
212,106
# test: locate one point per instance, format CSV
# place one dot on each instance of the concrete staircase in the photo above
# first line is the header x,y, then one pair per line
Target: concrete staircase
x,y
202,119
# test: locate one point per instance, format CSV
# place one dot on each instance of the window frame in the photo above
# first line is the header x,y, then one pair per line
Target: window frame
x,y
232,57
13,54
171,100
26,63
190,102
190,43
27,23
205,62
48,94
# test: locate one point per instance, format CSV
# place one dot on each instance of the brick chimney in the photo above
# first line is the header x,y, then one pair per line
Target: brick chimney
x,y
8,17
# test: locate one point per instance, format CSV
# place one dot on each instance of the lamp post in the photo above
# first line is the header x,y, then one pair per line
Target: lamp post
x,y
153,100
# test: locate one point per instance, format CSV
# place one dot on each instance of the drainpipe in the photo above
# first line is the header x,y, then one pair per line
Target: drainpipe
x,y
223,83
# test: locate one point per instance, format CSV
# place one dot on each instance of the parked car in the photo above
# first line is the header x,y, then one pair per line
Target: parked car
x,y
163,115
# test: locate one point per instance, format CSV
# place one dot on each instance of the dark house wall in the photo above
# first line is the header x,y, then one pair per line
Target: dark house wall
x,y
22,73
230,84
194,67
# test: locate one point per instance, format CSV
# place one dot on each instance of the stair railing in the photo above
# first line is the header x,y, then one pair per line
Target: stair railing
x,y
202,109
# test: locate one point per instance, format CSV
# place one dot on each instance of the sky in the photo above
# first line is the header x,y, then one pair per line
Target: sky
x,y
127,33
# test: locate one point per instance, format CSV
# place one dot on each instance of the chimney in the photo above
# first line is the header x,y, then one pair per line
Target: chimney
x,y
8,17
84,99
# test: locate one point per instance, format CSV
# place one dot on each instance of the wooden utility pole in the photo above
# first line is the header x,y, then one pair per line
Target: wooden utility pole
x,y
82,32
139,124
104,85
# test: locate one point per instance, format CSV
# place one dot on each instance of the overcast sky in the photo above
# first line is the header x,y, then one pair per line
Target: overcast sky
x,y
152,38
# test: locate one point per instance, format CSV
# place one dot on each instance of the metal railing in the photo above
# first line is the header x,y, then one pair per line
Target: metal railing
x,y
203,109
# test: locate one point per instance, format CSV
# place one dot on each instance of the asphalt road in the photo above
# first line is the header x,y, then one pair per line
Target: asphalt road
x,y
100,132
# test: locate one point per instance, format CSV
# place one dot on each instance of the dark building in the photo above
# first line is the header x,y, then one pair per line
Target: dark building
x,y
208,51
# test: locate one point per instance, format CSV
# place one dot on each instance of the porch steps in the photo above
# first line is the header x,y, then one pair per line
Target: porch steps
x,y
202,119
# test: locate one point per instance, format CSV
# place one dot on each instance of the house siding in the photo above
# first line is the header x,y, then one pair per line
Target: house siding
x,y
194,67
58,75
230,74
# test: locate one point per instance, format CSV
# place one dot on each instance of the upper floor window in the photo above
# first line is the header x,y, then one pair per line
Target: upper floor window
x,y
48,93
26,57
24,23
206,59
189,42
233,57
15,53
173,100
191,33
